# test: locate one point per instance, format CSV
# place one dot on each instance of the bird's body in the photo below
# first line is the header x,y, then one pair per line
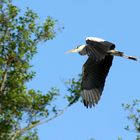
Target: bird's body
x,y
95,70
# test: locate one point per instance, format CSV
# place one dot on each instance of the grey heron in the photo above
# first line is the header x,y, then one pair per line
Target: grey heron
x,y
95,70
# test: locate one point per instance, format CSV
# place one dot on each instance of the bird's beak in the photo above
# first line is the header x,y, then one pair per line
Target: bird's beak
x,y
72,51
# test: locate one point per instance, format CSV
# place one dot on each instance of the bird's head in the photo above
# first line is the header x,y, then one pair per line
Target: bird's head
x,y
78,49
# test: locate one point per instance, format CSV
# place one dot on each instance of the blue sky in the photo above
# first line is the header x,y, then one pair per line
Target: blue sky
x,y
116,21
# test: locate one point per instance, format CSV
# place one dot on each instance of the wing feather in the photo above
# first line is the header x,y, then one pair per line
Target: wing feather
x,y
98,50
93,79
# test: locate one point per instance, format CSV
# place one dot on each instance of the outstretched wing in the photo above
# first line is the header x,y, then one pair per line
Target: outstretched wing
x,y
98,50
93,79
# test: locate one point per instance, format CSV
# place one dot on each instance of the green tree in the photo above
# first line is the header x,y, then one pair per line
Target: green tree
x,y
133,117
22,109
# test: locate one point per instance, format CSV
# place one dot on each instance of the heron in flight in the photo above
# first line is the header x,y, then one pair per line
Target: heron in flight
x,y
95,70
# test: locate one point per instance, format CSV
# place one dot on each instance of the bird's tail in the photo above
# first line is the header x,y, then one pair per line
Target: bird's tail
x,y
121,54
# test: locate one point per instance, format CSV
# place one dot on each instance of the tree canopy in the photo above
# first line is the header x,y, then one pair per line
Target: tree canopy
x,y
20,108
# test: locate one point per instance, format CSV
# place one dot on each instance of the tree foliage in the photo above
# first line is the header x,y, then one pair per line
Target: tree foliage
x,y
74,89
133,117
22,109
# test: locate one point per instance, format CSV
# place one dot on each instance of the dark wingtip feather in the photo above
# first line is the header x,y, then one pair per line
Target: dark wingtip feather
x,y
90,97
132,58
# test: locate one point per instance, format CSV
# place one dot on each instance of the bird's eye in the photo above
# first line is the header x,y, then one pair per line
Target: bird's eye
x,y
78,46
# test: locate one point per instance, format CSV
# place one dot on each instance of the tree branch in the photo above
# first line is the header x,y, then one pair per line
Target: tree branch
x,y
6,69
4,79
39,122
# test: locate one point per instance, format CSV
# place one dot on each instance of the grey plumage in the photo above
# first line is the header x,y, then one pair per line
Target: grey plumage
x,y
96,68
121,54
